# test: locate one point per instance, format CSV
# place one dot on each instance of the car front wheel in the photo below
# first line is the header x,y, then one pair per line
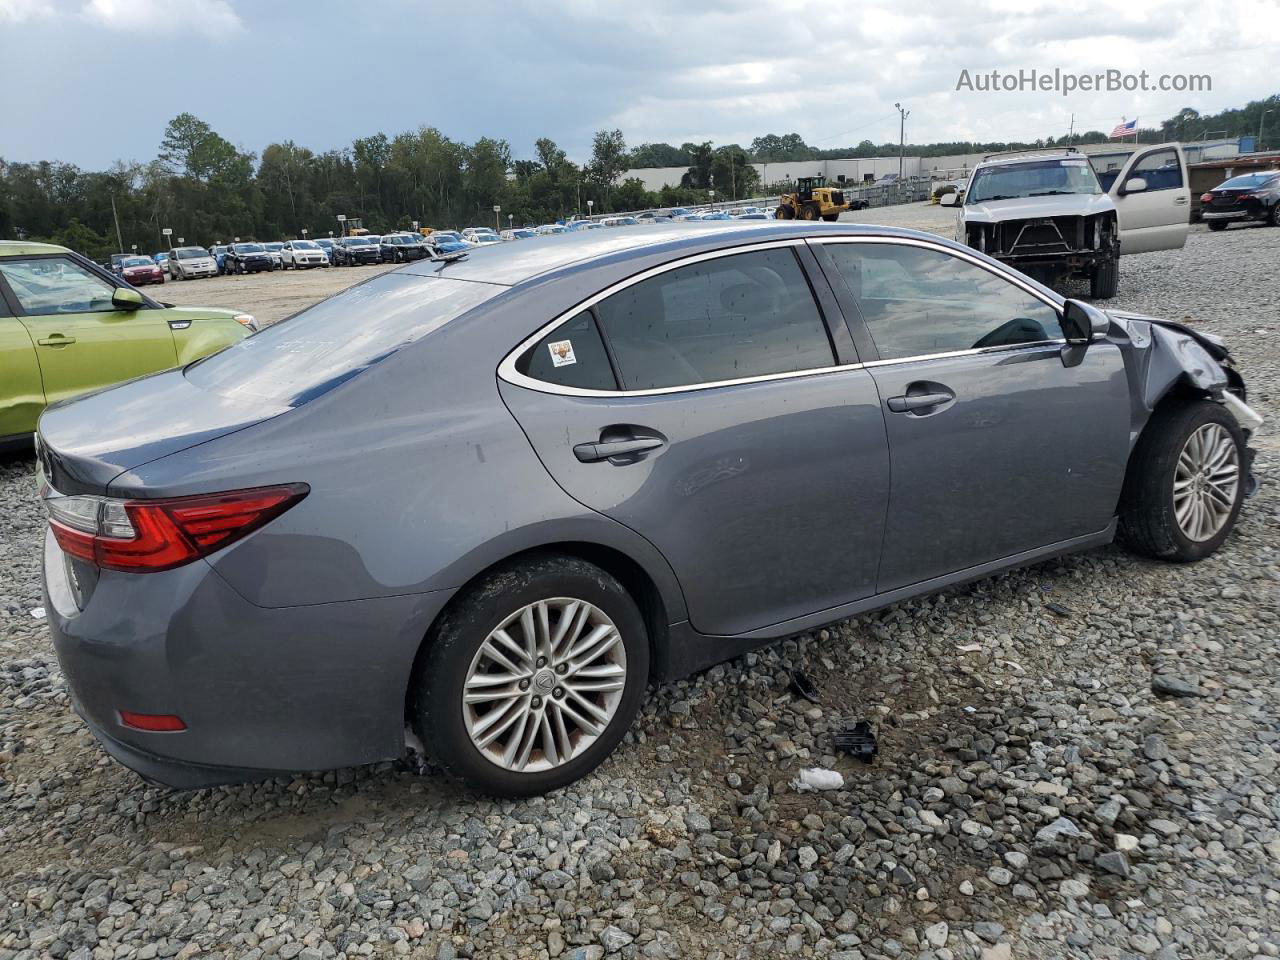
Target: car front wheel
x,y
1186,483
531,679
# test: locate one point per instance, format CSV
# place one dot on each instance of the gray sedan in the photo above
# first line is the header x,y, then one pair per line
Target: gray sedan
x,y
523,484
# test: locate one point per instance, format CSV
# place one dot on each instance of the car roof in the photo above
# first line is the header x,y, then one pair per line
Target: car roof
x,y
1031,158
25,248
513,263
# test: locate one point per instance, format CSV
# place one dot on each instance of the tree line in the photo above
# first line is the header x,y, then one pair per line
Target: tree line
x,y
205,189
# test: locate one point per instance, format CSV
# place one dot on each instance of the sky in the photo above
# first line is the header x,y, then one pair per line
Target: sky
x,y
104,77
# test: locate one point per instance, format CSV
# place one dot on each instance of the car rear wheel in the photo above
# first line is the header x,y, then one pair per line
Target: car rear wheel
x,y
1273,218
1185,484
1216,225
532,678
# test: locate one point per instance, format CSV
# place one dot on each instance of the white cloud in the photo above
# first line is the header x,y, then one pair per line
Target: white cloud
x,y
214,19
17,11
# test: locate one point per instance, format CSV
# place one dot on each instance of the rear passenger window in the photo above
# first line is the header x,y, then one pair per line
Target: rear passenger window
x,y
572,355
745,315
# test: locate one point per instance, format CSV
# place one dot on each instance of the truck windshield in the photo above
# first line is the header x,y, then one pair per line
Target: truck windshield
x,y
1035,178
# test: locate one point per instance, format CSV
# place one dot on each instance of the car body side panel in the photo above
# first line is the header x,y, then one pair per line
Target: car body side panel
x,y
1031,452
768,499
21,389
417,482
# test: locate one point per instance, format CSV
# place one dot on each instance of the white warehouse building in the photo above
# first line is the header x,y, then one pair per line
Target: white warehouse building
x,y
852,170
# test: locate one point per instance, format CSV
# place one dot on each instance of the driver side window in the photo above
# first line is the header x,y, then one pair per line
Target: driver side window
x,y
917,302
50,285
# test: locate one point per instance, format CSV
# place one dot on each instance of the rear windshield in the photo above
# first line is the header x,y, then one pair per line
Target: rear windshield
x,y
310,353
1248,180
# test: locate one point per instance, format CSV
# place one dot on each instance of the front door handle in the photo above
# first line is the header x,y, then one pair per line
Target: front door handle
x,y
1180,200
608,449
918,401
56,340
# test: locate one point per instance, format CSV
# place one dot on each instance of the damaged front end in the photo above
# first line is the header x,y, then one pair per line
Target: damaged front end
x,y
1163,357
1051,247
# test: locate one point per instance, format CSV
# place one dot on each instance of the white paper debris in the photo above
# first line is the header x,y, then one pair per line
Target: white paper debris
x,y
38,612
816,778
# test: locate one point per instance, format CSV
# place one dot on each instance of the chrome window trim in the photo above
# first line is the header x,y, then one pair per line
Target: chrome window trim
x,y
507,367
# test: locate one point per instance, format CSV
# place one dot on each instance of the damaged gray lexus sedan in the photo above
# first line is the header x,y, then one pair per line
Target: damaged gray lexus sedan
x,y
487,499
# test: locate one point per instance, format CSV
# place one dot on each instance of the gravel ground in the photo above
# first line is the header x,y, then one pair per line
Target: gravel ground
x,y
1034,796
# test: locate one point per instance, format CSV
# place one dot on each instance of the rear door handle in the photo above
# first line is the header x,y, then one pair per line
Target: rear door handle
x,y
918,401
57,340
608,449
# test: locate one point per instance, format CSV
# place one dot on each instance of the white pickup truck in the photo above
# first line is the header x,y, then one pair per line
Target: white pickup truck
x,y
1045,212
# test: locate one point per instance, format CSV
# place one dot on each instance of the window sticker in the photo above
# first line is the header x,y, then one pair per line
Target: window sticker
x,y
562,353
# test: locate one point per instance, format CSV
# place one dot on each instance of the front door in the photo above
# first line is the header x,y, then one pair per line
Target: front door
x,y
82,342
702,407
1157,216
996,447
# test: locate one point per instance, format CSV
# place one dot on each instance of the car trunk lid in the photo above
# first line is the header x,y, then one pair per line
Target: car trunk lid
x,y
82,447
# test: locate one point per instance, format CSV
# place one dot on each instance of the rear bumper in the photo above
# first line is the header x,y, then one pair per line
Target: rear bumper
x,y
1230,215
261,690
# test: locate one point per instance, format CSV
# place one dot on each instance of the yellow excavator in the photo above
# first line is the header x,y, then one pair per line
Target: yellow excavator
x,y
813,200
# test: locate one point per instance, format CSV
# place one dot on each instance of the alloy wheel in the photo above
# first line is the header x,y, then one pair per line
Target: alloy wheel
x,y
1206,482
544,685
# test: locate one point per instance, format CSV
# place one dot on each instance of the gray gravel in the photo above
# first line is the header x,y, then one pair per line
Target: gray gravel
x,y
1078,759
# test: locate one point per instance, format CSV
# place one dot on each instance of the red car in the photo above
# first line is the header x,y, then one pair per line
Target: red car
x,y
141,270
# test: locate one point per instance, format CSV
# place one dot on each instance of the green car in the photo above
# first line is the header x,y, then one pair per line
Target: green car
x,y
68,326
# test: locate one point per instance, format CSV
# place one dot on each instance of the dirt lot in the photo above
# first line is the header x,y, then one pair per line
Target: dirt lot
x,y
1037,795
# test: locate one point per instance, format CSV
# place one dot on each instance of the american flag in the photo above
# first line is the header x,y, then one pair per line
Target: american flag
x,y
1123,130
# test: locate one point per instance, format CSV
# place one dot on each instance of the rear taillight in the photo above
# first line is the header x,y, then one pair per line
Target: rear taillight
x,y
142,536
1206,198
1245,196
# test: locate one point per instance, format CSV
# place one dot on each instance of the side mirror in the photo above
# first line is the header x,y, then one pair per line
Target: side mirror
x,y
1080,324
1135,185
951,199
126,298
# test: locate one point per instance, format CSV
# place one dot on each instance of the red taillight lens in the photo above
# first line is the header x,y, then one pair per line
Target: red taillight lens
x,y
1206,198
1245,196
142,536
153,722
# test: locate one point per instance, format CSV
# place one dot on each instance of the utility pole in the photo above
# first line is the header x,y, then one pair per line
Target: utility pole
x,y
116,218
1072,130
902,135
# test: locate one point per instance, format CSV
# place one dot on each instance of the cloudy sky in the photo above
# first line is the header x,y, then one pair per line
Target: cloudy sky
x,y
103,77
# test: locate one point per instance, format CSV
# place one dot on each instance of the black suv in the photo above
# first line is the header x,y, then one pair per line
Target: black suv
x,y
247,258
402,247
1250,196
349,251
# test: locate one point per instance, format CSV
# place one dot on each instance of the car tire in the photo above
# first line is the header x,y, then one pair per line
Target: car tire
x,y
1217,225
456,656
1104,280
1273,218
1200,447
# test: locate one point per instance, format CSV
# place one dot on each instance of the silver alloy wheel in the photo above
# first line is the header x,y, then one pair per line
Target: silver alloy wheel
x,y
544,685
1206,482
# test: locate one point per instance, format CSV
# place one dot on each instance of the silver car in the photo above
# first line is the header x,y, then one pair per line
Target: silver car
x,y
494,496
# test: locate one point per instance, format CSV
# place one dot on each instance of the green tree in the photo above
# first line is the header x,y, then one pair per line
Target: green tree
x,y
608,160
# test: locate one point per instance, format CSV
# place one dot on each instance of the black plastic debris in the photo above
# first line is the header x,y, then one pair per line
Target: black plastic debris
x,y
802,686
1058,608
858,740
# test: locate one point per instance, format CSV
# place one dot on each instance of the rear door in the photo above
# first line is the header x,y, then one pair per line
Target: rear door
x,y
997,448
701,404
1156,216
82,342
